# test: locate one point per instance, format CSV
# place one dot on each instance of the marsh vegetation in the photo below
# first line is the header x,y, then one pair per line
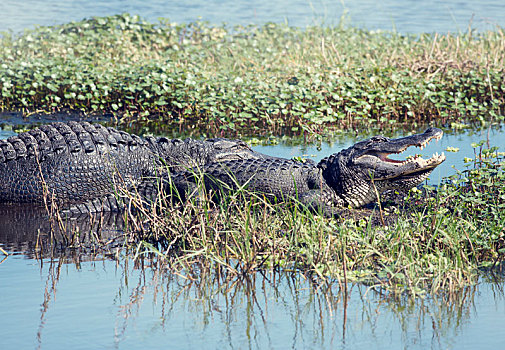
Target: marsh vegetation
x,y
257,80
269,80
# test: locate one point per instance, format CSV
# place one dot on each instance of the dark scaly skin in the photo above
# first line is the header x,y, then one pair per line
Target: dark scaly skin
x,y
351,178
179,155
72,162
279,178
80,165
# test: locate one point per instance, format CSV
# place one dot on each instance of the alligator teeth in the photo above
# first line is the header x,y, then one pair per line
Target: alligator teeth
x,y
437,157
425,143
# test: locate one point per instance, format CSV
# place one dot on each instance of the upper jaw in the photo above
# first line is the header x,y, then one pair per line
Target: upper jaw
x,y
420,140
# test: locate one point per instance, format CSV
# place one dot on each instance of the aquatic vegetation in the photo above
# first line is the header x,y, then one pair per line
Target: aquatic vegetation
x,y
260,79
431,240
434,241
272,80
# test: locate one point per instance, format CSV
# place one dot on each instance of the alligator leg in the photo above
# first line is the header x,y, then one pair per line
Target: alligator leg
x,y
322,202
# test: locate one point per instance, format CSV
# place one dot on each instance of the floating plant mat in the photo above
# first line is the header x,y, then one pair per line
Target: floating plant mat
x,y
253,80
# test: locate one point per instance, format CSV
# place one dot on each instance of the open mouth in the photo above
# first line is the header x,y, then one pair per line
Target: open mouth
x,y
412,165
423,163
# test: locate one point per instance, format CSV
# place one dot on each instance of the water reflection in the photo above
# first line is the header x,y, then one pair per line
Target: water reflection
x,y
33,232
154,307
139,303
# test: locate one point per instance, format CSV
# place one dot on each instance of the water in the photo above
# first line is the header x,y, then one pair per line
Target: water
x,y
6,133
107,304
409,16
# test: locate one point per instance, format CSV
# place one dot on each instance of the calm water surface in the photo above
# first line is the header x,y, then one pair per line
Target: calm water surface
x,y
408,16
106,305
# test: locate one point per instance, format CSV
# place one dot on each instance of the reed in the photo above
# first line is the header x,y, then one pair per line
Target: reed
x,y
435,241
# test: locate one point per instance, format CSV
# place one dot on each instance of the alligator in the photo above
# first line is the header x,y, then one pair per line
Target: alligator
x,y
353,177
79,164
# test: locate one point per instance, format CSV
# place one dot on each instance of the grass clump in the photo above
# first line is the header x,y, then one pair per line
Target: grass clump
x,y
258,79
435,242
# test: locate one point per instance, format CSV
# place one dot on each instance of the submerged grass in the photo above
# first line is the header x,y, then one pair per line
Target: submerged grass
x,y
436,241
253,80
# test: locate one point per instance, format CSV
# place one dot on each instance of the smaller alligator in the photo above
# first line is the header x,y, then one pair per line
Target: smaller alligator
x,y
352,177
81,165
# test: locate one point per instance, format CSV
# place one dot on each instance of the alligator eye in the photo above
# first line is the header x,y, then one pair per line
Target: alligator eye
x,y
376,139
379,139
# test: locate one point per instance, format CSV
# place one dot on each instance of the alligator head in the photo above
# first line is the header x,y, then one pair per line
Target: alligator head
x,y
221,150
180,155
364,170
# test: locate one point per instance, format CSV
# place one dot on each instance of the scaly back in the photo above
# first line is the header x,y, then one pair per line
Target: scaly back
x,y
70,162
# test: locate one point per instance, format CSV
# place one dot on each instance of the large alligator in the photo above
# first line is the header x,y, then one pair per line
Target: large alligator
x,y
352,177
79,164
